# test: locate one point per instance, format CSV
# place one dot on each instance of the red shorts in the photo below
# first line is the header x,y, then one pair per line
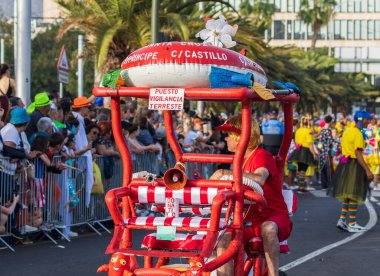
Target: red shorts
x,y
283,222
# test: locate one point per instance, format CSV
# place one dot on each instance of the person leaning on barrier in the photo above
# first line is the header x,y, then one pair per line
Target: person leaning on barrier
x,y
259,168
12,147
7,210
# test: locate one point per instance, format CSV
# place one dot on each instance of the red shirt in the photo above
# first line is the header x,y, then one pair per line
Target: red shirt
x,y
272,188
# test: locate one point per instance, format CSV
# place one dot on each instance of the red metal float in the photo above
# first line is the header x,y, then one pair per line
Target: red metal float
x,y
220,195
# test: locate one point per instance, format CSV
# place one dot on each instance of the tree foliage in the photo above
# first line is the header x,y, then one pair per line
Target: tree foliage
x,y
316,13
115,28
45,54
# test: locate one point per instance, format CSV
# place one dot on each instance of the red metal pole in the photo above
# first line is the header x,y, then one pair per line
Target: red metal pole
x,y
170,135
207,158
288,136
204,94
126,161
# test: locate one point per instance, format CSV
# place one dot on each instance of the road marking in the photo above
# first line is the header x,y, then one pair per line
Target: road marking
x,y
319,193
373,199
371,223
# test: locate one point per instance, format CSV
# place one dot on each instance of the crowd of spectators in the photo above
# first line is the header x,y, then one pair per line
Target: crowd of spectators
x,y
74,127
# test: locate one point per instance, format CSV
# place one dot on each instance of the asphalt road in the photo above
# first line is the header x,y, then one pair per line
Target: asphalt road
x,y
314,228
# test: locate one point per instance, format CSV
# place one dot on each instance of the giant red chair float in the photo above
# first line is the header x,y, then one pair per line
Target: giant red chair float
x,y
196,195
224,200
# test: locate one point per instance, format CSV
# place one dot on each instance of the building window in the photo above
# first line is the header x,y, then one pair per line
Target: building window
x,y
371,30
377,5
309,32
363,29
322,33
358,6
289,29
284,6
374,68
350,29
279,29
350,5
347,67
277,4
337,34
299,32
364,5
377,29
290,5
342,5
374,52
371,5
297,4
357,28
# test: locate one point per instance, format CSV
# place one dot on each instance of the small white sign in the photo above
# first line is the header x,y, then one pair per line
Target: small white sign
x,y
63,77
171,207
166,98
63,67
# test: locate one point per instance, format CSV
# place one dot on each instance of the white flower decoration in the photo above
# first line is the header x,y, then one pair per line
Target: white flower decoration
x,y
218,33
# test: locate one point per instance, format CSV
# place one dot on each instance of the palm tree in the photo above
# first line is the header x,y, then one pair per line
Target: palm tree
x,y
115,28
317,14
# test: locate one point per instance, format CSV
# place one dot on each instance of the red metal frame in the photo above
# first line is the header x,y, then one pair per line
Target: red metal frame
x,y
122,239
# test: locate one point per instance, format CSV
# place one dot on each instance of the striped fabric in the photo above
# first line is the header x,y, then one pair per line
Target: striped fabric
x,y
198,211
39,192
187,195
194,222
181,242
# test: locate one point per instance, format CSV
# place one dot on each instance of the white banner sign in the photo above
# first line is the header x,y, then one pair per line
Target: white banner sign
x,y
166,98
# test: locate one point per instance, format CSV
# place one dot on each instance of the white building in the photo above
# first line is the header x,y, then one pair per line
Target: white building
x,y
44,12
353,34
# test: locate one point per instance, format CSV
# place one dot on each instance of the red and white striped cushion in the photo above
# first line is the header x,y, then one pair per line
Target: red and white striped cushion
x,y
198,211
187,195
256,244
194,222
181,242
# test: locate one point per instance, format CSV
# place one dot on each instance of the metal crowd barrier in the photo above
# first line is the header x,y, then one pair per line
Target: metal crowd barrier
x,y
47,205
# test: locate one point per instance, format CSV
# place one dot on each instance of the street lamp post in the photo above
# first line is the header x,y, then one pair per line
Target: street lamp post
x,y
80,65
23,50
155,20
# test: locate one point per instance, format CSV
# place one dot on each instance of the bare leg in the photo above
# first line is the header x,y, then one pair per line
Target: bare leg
x,y
269,232
228,268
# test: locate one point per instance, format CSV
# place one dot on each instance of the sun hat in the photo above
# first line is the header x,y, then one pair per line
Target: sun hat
x,y
198,121
19,116
81,102
42,99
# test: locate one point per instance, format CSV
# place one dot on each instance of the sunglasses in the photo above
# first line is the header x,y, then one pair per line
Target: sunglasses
x,y
95,132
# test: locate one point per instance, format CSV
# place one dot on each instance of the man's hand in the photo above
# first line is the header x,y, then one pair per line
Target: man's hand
x,y
219,173
16,198
60,166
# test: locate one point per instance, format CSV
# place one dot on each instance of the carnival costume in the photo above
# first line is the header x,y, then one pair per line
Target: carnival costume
x,y
350,182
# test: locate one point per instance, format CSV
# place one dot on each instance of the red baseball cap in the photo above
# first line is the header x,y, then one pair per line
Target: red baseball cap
x,y
227,127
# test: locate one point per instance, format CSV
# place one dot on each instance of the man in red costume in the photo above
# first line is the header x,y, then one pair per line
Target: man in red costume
x,y
259,168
